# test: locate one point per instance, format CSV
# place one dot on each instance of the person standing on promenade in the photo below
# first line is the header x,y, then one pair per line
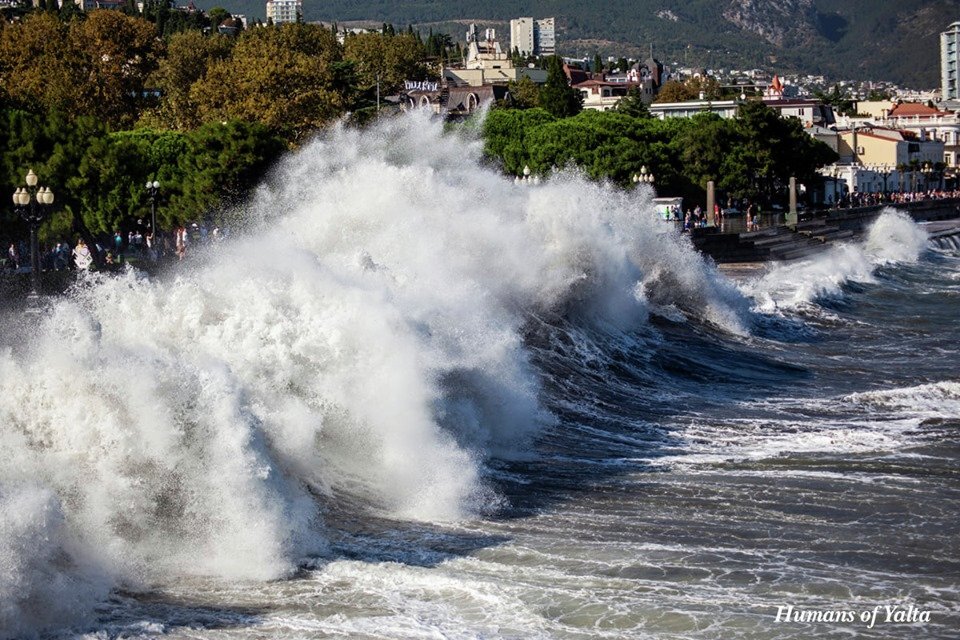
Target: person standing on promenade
x,y
81,255
13,257
181,242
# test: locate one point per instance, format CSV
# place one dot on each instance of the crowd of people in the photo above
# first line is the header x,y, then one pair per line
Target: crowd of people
x,y
697,217
114,250
873,198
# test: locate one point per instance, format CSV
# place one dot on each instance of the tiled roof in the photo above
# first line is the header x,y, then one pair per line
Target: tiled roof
x,y
914,109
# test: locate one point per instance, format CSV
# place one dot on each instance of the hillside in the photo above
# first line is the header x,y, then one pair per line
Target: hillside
x,y
893,40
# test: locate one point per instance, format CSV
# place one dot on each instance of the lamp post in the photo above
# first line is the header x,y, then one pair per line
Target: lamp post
x,y
644,177
527,180
152,189
29,203
886,171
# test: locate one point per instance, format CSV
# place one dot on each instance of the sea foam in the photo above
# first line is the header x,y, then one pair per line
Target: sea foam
x,y
358,342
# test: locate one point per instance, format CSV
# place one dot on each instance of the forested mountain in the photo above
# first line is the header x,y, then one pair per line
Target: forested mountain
x,y
858,39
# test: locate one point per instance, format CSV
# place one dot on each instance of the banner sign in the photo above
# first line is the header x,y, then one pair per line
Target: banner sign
x,y
421,85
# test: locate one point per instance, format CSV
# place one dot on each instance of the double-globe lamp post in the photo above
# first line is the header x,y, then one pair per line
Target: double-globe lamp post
x,y
153,188
30,203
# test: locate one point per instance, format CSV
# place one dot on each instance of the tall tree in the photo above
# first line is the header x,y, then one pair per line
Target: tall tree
x,y
392,59
290,78
673,91
34,64
524,93
189,54
556,95
95,66
223,163
113,55
633,104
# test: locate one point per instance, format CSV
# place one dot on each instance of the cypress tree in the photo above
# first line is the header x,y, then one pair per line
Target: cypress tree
x,y
556,95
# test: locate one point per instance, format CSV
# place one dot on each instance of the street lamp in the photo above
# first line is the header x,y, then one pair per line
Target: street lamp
x,y
152,189
927,171
886,171
644,177
29,204
526,179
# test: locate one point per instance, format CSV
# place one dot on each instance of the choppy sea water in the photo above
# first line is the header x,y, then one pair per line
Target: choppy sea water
x,y
415,400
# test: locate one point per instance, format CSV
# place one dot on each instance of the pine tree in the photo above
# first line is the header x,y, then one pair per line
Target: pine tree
x,y
557,96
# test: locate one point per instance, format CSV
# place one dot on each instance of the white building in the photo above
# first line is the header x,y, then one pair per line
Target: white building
x,y
521,36
927,123
486,63
545,37
950,62
280,11
600,95
533,37
690,108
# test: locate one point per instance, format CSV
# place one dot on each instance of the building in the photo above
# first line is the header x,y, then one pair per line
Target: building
x,y
812,113
521,36
825,135
640,71
90,5
690,108
898,150
487,63
809,112
924,121
533,37
280,11
600,95
545,37
928,123
449,100
950,62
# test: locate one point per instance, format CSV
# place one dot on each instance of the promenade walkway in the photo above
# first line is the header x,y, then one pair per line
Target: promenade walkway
x,y
732,243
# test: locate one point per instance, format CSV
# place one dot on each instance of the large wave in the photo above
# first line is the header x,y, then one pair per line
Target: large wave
x,y
893,238
360,343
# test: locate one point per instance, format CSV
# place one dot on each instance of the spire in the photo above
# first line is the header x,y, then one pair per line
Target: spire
x,y
776,87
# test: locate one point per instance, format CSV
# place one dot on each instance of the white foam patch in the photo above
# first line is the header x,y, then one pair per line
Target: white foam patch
x,y
892,239
46,580
361,338
939,399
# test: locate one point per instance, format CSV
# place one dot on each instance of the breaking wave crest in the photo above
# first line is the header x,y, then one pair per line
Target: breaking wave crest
x,y
892,239
361,343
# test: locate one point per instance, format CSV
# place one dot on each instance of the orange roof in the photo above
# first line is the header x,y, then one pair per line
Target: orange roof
x,y
914,109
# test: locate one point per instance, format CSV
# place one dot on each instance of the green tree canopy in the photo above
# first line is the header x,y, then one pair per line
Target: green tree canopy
x,y
96,66
556,95
633,104
188,56
674,91
750,156
391,58
290,78
524,93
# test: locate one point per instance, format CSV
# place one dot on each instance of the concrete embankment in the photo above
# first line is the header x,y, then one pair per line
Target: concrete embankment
x,y
813,234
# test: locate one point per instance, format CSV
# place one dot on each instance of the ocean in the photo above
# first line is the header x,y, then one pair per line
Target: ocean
x,y
408,398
